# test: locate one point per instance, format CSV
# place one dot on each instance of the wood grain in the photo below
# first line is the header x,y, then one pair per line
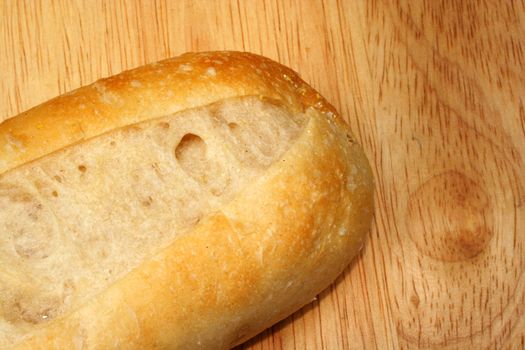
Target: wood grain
x,y
435,92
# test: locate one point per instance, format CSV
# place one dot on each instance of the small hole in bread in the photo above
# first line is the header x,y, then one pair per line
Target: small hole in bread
x,y
164,125
191,155
147,201
191,148
82,168
233,126
54,194
207,171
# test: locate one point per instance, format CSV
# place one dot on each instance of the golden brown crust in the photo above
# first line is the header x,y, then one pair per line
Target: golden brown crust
x,y
281,241
148,92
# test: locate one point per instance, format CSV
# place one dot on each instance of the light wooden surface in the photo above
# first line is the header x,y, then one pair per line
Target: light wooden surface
x,y
434,90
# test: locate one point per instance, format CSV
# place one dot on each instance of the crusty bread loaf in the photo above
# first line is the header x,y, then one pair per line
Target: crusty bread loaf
x,y
185,204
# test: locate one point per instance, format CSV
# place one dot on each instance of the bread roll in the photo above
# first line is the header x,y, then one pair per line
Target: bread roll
x,y
186,204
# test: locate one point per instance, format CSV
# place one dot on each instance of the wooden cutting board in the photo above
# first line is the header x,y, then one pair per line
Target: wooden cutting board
x,y
435,92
